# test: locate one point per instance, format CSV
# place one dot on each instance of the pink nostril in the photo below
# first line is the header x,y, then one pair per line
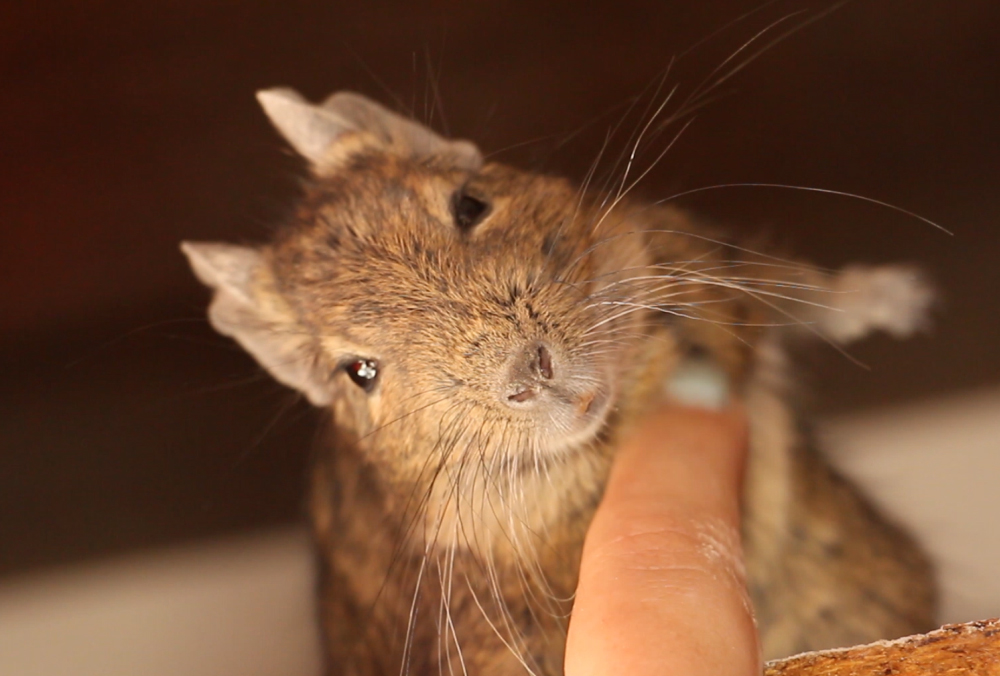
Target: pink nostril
x,y
522,396
544,363
531,375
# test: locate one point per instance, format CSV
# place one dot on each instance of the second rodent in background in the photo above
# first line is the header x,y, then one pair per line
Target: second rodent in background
x,y
482,336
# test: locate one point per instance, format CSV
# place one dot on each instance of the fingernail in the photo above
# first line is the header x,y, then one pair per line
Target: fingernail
x,y
700,383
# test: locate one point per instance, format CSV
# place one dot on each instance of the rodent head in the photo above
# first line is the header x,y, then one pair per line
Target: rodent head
x,y
440,297
440,305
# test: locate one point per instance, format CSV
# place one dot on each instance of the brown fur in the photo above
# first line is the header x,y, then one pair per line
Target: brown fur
x,y
449,525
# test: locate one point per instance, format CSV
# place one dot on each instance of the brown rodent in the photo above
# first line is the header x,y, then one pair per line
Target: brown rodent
x,y
481,336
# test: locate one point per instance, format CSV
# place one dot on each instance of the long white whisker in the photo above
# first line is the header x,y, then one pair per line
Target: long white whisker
x,y
805,188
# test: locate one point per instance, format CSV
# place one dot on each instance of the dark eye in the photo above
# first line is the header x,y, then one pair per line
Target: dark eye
x,y
364,373
468,211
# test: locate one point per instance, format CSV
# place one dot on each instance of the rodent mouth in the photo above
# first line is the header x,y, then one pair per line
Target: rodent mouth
x,y
585,403
593,404
586,418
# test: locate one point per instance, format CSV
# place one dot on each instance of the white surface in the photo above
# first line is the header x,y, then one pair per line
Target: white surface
x,y
239,607
936,467
244,607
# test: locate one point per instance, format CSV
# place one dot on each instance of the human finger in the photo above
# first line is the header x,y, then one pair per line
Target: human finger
x,y
662,585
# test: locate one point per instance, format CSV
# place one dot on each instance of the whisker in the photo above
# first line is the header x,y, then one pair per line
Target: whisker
x,y
805,188
648,169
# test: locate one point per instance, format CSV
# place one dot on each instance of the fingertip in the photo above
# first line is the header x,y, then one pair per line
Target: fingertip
x,y
700,390
699,383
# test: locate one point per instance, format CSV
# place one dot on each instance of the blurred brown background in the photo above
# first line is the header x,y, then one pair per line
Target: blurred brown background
x,y
125,423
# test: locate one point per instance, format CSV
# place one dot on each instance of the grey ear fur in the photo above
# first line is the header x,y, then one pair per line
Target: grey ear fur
x,y
247,308
896,299
315,131
310,129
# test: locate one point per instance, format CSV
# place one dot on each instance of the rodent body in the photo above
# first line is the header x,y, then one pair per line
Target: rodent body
x,y
482,337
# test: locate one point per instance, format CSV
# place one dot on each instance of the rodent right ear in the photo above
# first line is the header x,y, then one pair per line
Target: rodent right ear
x,y
329,133
248,308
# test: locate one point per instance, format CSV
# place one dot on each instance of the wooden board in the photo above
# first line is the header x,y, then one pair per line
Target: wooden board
x,y
953,650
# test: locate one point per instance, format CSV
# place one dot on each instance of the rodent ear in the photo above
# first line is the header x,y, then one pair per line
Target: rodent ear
x,y
850,304
896,299
247,307
321,133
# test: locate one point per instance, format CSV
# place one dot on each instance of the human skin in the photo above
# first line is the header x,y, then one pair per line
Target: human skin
x,y
662,586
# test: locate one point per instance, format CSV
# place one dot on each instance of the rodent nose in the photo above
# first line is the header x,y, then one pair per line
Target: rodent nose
x,y
529,373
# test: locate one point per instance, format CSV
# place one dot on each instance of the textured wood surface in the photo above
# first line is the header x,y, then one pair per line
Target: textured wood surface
x,y
972,648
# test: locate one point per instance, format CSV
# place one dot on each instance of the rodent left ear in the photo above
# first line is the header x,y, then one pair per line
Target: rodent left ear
x,y
328,133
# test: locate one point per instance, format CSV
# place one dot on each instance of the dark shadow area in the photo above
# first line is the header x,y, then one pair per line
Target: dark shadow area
x,y
126,423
